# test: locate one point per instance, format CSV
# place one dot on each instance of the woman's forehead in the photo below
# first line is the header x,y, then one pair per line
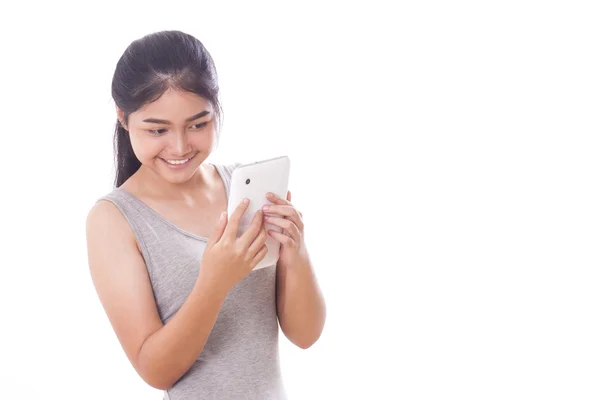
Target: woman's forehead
x,y
175,105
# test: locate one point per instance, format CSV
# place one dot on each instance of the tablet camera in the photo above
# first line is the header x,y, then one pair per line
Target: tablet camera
x,y
247,181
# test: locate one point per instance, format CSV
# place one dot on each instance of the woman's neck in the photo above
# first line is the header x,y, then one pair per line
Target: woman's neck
x,y
150,184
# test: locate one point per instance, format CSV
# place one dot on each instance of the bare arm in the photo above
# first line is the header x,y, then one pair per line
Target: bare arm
x,y
300,304
160,353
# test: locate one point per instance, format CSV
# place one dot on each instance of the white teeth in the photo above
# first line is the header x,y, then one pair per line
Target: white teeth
x,y
175,162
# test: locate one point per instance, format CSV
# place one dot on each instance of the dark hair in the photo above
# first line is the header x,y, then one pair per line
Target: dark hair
x,y
149,67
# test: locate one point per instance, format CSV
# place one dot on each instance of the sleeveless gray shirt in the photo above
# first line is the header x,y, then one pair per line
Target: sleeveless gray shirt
x,y
240,359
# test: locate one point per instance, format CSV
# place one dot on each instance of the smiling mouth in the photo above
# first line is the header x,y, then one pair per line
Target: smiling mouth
x,y
178,163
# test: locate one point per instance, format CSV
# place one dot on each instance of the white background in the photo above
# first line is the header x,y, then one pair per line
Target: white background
x,y
444,155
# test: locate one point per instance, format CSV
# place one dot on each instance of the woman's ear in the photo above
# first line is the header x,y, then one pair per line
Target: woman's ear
x,y
121,117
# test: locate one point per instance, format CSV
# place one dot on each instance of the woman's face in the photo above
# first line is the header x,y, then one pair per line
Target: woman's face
x,y
173,135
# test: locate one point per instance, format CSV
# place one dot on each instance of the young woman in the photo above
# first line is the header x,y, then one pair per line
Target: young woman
x,y
176,283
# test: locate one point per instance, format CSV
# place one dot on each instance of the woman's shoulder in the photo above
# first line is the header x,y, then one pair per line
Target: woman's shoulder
x,y
116,196
113,208
227,166
107,214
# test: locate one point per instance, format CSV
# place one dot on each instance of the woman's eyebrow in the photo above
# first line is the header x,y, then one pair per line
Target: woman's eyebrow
x,y
164,121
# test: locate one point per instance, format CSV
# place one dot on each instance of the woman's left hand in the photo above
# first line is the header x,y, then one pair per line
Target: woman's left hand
x,y
293,250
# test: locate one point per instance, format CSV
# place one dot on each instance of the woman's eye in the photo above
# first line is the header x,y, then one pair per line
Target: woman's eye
x,y
158,132
200,125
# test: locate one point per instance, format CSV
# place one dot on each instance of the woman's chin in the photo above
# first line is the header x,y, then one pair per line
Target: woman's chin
x,y
180,173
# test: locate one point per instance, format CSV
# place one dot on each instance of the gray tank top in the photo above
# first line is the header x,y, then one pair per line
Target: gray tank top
x,y
240,359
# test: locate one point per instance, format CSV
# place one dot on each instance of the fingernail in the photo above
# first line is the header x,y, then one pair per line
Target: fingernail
x,y
265,208
246,201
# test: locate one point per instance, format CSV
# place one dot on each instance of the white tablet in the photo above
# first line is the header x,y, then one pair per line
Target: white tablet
x,y
254,180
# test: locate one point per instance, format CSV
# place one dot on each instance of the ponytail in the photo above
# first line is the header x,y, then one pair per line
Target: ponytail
x,y
126,163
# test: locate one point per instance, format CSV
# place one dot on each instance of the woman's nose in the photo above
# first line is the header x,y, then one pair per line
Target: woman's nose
x,y
181,142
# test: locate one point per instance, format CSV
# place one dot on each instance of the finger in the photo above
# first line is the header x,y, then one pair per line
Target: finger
x,y
272,197
218,230
257,244
259,256
255,226
288,212
285,240
289,196
288,225
234,219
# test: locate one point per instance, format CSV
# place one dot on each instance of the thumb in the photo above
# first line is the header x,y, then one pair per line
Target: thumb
x,y
218,230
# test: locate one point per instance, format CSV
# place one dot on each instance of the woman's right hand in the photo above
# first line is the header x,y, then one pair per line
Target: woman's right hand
x,y
228,259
